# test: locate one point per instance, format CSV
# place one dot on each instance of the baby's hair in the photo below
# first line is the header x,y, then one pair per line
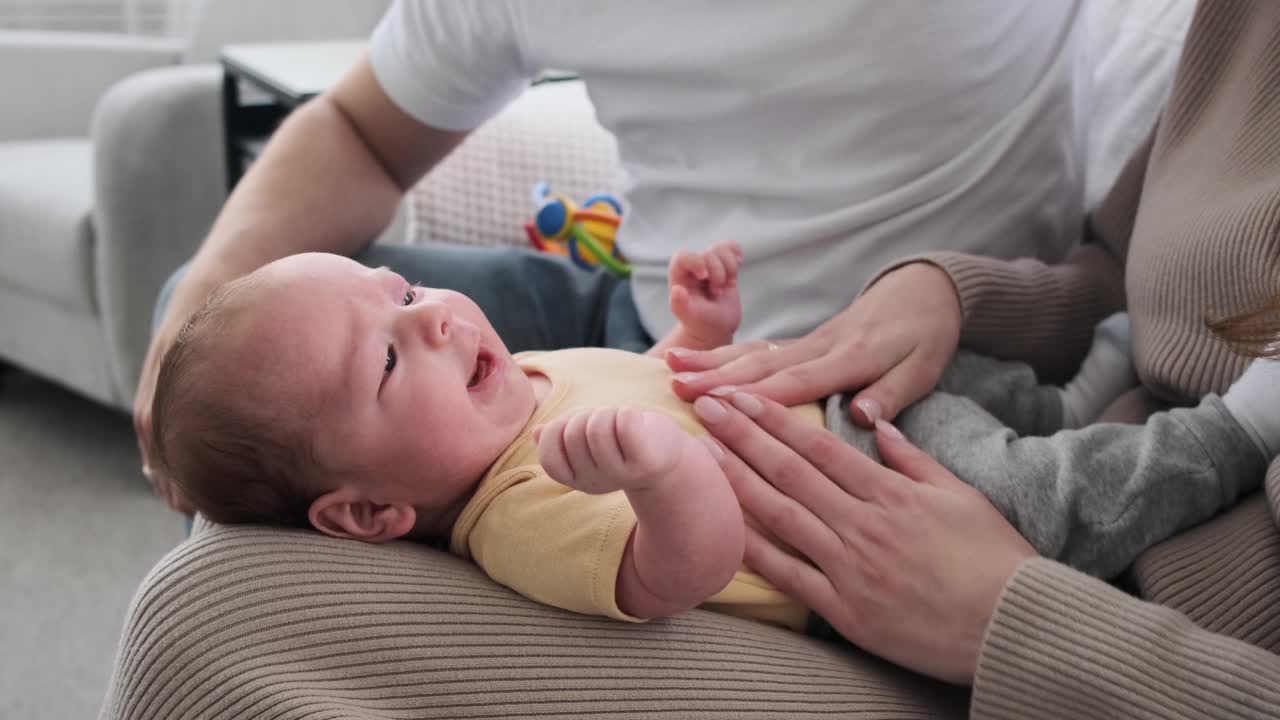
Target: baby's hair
x,y
235,460
1255,333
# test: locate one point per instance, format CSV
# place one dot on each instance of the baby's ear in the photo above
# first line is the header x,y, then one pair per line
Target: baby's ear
x,y
347,513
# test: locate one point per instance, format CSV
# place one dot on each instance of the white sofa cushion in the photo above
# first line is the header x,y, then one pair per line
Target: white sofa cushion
x,y
46,232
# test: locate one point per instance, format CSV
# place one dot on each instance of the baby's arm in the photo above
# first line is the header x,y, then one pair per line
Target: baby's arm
x,y
689,533
1096,497
704,298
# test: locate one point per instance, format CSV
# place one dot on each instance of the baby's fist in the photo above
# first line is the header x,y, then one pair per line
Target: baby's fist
x,y
704,292
606,449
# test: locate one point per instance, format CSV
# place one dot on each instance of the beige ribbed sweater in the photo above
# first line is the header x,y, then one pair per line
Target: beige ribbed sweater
x,y
281,624
1191,230
1187,232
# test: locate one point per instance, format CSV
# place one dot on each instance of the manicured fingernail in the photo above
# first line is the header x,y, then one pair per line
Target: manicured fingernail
x,y
723,391
748,404
709,409
870,408
716,452
682,353
687,378
889,430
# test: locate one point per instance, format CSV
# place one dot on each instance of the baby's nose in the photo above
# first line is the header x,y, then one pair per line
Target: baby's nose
x,y
437,320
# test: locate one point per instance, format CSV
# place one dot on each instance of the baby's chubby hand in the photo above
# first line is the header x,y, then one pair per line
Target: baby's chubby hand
x,y
612,448
704,292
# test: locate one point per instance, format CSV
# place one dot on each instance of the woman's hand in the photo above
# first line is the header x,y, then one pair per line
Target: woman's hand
x,y
893,342
906,561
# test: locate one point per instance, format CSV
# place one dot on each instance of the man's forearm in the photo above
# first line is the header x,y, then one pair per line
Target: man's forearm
x,y
315,188
687,543
329,181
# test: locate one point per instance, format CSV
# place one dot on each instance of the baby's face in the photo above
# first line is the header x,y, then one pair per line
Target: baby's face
x,y
417,394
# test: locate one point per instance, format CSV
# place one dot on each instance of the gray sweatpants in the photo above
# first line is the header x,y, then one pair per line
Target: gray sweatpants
x,y
1093,498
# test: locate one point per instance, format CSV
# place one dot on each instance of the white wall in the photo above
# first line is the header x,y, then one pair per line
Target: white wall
x,y
129,16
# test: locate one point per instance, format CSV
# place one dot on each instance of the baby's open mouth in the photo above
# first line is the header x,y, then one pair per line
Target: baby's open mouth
x,y
484,364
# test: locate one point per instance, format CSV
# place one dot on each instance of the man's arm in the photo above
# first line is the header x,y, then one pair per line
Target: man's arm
x,y
329,181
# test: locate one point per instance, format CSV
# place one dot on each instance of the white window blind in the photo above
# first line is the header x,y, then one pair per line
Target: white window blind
x,y
139,17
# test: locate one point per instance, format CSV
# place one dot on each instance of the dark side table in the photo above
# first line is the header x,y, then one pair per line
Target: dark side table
x,y
264,82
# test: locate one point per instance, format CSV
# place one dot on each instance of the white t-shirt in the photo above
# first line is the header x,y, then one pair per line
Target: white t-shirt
x,y
827,137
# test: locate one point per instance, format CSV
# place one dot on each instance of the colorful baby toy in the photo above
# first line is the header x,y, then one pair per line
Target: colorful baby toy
x,y
586,235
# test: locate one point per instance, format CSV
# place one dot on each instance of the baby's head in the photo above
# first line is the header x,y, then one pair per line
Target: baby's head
x,y
318,392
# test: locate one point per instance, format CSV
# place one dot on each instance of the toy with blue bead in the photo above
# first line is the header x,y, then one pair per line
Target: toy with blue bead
x,y
587,235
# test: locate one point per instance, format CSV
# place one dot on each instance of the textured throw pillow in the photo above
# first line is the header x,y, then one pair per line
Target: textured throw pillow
x,y
482,193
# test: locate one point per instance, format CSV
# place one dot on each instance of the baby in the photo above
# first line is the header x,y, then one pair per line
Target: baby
x,y
316,392
320,393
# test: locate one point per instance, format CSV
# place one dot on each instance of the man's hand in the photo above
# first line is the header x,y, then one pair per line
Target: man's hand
x,y
610,448
704,293
152,469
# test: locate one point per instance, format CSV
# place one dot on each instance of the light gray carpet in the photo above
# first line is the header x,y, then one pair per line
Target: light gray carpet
x,y
78,530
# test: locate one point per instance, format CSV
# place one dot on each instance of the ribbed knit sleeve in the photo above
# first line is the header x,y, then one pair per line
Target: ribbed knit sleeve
x,y
1029,310
1064,645
249,622
1217,573
1045,314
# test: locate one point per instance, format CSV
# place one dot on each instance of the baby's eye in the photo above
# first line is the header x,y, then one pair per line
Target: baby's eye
x,y
408,297
391,360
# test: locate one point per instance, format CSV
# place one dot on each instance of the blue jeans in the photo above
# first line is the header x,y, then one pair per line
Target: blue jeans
x,y
534,301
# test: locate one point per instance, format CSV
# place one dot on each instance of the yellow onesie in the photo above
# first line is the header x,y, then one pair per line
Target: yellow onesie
x,y
563,547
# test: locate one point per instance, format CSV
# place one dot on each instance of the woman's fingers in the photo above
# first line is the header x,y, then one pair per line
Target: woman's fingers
x,y
792,575
824,375
739,365
785,517
775,438
909,460
803,461
686,360
905,382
